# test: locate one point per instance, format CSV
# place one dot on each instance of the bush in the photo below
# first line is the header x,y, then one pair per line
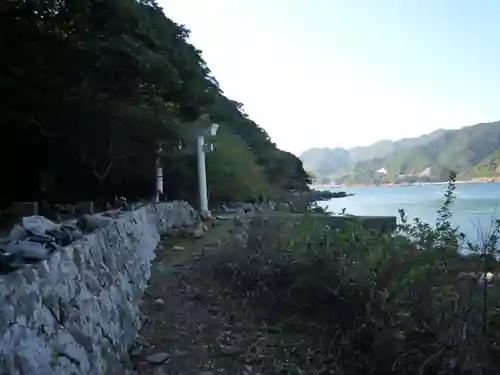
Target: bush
x,y
405,303
232,171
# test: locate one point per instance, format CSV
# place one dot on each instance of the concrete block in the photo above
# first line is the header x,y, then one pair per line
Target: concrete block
x,y
385,224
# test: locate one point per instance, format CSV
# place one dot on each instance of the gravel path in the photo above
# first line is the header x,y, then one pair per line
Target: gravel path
x,y
194,325
181,320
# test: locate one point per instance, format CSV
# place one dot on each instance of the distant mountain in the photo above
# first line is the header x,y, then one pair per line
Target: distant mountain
x,y
376,150
329,162
472,151
326,161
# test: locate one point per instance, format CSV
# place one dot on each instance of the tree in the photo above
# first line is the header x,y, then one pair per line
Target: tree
x,y
232,171
92,87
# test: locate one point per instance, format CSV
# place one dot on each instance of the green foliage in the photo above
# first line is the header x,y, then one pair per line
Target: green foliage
x,y
402,303
92,88
232,171
489,167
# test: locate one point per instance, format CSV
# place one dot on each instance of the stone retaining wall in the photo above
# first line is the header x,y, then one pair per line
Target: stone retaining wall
x,y
78,311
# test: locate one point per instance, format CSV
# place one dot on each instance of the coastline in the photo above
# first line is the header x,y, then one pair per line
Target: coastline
x,y
482,180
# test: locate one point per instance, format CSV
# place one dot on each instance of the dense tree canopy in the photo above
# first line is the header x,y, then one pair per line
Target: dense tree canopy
x,y
91,88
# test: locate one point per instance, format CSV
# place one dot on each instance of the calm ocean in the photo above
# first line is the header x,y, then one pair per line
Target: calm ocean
x,y
475,206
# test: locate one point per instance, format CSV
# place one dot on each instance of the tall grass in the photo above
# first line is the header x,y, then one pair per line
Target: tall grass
x,y
403,303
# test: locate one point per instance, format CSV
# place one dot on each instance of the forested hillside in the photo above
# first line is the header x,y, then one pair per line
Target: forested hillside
x,y
471,152
323,162
467,151
334,162
91,88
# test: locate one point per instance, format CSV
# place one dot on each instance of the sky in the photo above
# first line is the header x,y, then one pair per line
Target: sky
x,y
344,73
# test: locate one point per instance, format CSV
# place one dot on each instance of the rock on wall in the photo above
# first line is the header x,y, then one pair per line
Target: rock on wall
x,y
76,312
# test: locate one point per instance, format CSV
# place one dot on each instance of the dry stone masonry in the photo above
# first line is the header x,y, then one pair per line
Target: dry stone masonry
x,y
77,311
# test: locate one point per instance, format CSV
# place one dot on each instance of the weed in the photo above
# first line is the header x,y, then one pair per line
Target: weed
x,y
408,302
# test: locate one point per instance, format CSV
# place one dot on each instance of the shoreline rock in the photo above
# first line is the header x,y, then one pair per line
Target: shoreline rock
x,y
294,202
324,195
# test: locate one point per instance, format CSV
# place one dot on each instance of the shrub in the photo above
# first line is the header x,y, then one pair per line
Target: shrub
x,y
403,303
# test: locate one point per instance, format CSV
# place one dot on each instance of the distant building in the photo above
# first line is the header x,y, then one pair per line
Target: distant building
x,y
382,170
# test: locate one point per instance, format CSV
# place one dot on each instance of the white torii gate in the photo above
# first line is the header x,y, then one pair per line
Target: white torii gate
x,y
201,128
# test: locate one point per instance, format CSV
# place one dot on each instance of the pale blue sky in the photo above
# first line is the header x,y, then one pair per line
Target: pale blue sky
x,y
327,73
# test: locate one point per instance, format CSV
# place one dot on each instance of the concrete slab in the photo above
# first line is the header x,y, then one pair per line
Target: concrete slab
x,y
384,224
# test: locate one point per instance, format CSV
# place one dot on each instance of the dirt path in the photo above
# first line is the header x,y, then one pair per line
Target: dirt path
x,y
194,325
181,323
